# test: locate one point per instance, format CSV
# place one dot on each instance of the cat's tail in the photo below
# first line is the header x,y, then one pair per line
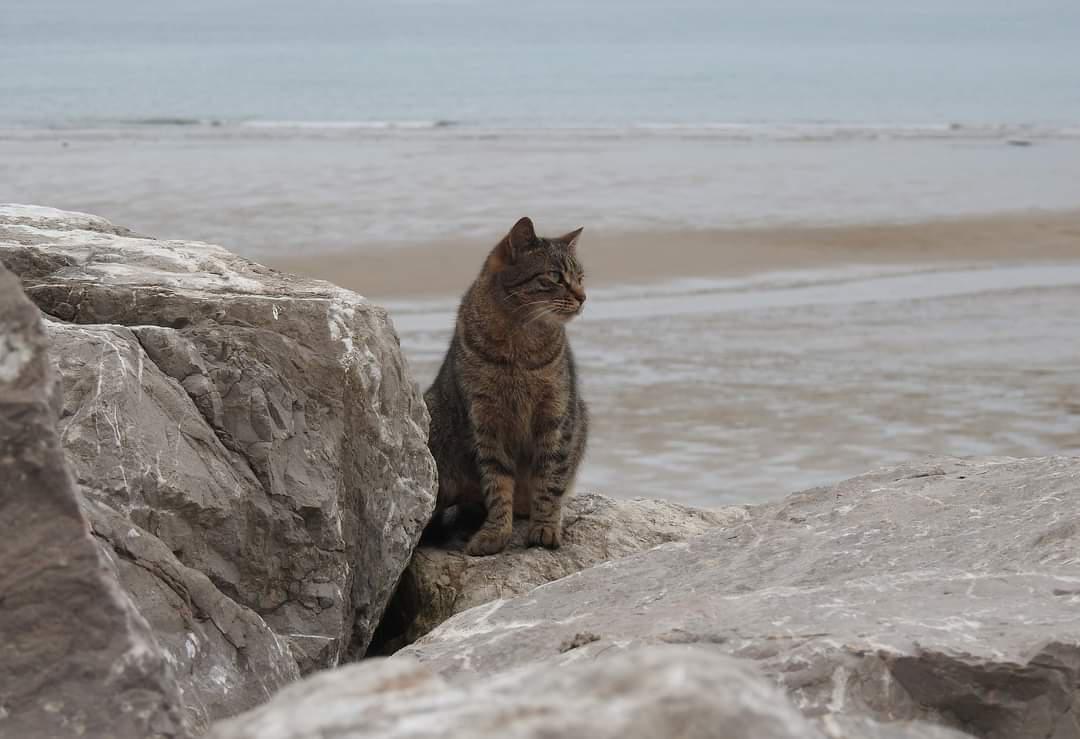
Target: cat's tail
x,y
451,527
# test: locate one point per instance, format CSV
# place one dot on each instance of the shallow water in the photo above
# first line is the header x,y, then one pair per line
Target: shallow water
x,y
287,192
746,390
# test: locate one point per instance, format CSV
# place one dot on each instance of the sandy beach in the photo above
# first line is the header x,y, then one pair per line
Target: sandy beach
x,y
736,366
612,258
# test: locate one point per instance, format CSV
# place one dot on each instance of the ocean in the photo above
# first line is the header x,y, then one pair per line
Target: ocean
x,y
341,125
530,65
335,126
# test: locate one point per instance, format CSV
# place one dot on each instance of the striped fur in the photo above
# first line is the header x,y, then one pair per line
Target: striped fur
x,y
508,424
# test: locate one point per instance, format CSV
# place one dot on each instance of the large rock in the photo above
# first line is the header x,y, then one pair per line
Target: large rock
x,y
837,726
441,582
947,591
225,658
263,428
656,692
153,472
76,658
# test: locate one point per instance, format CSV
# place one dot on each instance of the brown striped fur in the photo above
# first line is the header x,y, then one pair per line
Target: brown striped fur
x,y
508,425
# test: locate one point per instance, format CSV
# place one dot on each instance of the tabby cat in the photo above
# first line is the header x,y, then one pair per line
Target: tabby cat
x,y
508,424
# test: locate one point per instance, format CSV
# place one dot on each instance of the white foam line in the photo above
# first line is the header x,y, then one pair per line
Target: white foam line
x,y
873,289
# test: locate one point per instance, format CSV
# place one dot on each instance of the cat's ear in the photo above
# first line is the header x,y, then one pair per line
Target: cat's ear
x,y
571,238
521,235
519,238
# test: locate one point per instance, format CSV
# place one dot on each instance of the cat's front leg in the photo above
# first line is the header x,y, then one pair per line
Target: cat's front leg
x,y
497,486
545,523
552,478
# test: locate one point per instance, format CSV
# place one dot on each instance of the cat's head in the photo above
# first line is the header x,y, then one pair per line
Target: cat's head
x,y
538,279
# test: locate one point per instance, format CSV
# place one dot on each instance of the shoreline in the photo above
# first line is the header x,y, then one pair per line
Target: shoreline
x,y
445,268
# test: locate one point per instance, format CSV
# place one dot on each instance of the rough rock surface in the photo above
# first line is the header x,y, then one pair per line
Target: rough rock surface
x,y
259,430
441,582
76,658
648,693
224,656
947,591
146,462
860,727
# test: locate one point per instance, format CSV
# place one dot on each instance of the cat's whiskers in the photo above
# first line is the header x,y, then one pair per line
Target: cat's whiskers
x,y
513,294
542,313
534,302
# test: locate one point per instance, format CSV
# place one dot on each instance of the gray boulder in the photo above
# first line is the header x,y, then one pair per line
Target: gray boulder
x,y
648,693
225,658
947,591
836,726
261,427
76,658
441,582
151,471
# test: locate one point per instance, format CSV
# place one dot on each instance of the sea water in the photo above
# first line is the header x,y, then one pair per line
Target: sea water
x,y
518,64
276,126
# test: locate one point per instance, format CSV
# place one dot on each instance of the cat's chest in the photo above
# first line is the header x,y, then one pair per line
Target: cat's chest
x,y
527,401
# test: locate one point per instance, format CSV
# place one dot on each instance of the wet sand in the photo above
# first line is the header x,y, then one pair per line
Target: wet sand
x,y
743,390
756,363
611,258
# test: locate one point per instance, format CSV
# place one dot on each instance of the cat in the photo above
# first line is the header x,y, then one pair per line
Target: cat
x,y
508,423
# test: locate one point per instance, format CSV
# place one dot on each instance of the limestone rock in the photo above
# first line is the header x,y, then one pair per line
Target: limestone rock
x,y
946,591
261,427
225,658
860,727
441,582
654,692
76,658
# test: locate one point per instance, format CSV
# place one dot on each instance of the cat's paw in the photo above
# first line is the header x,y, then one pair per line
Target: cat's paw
x,y
545,535
488,540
